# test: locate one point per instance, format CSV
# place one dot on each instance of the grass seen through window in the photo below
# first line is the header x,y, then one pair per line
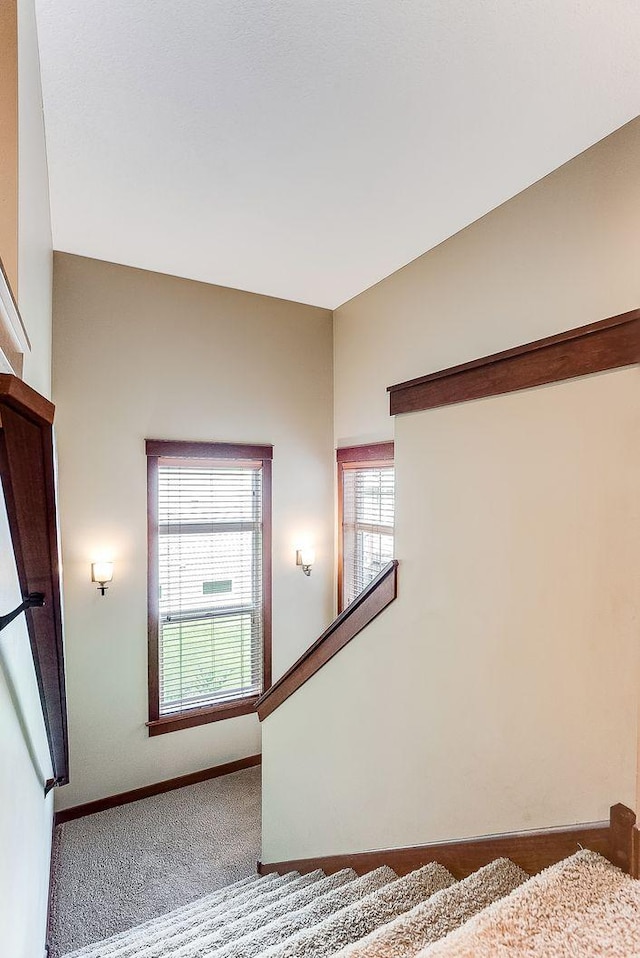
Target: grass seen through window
x,y
218,651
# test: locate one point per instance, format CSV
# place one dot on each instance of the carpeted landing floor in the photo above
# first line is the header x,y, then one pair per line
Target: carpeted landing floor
x,y
121,867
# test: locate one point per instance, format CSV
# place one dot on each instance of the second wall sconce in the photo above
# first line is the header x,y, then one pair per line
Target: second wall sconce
x,y
305,558
102,572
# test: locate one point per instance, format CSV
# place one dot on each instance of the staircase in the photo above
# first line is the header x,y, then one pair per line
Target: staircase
x,y
584,905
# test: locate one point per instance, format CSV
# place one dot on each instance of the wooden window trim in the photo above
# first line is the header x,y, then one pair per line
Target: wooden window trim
x,y
354,457
158,449
206,450
362,455
193,717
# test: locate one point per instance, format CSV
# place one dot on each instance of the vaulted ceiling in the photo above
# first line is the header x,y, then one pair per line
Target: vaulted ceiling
x,y
308,148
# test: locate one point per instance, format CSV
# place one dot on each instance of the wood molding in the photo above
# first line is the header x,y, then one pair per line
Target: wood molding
x,y
178,449
380,592
380,455
28,480
192,717
158,788
624,839
14,342
267,573
16,395
158,450
608,344
372,452
54,859
532,851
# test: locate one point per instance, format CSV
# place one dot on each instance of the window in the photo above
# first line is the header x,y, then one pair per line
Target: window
x,y
365,514
209,507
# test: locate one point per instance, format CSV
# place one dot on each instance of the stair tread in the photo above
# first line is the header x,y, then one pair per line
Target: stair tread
x,y
286,925
244,927
226,893
358,919
218,930
444,911
584,905
245,930
127,943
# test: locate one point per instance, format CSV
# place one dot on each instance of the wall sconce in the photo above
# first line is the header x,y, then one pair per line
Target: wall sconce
x,y
305,557
102,572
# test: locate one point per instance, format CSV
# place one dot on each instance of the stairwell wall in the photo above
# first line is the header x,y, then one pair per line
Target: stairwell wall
x,y
26,817
500,691
143,355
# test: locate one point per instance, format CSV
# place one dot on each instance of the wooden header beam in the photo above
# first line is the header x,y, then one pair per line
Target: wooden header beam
x,y
608,344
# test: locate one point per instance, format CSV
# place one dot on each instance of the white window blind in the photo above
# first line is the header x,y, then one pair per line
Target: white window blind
x,y
367,525
210,579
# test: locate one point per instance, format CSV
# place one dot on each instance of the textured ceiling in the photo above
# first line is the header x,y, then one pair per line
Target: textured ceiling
x,y
308,148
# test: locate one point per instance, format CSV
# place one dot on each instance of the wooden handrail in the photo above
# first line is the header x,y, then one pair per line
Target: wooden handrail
x,y
608,344
378,594
27,469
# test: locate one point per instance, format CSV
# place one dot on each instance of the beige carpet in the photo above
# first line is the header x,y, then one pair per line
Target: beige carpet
x,y
443,912
236,927
351,923
247,916
111,870
292,922
583,906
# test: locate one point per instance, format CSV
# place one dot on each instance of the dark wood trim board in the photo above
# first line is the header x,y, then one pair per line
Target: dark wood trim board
x,y
135,794
380,592
180,449
373,452
608,344
532,850
27,469
194,717
158,450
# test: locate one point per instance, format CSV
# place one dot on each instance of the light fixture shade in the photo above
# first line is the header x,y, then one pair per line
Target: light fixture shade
x,y
101,572
307,556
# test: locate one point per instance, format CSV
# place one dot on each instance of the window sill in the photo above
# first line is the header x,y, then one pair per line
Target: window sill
x,y
189,719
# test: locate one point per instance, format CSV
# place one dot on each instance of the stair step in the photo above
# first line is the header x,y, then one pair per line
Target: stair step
x,y
127,944
584,905
242,927
445,911
216,931
358,919
287,925
214,898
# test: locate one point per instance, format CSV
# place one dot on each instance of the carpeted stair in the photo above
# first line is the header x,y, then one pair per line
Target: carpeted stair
x,y
582,906
443,912
217,926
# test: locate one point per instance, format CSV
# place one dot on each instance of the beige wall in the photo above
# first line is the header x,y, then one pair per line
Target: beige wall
x,y
35,255
9,140
25,814
563,253
141,355
500,691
